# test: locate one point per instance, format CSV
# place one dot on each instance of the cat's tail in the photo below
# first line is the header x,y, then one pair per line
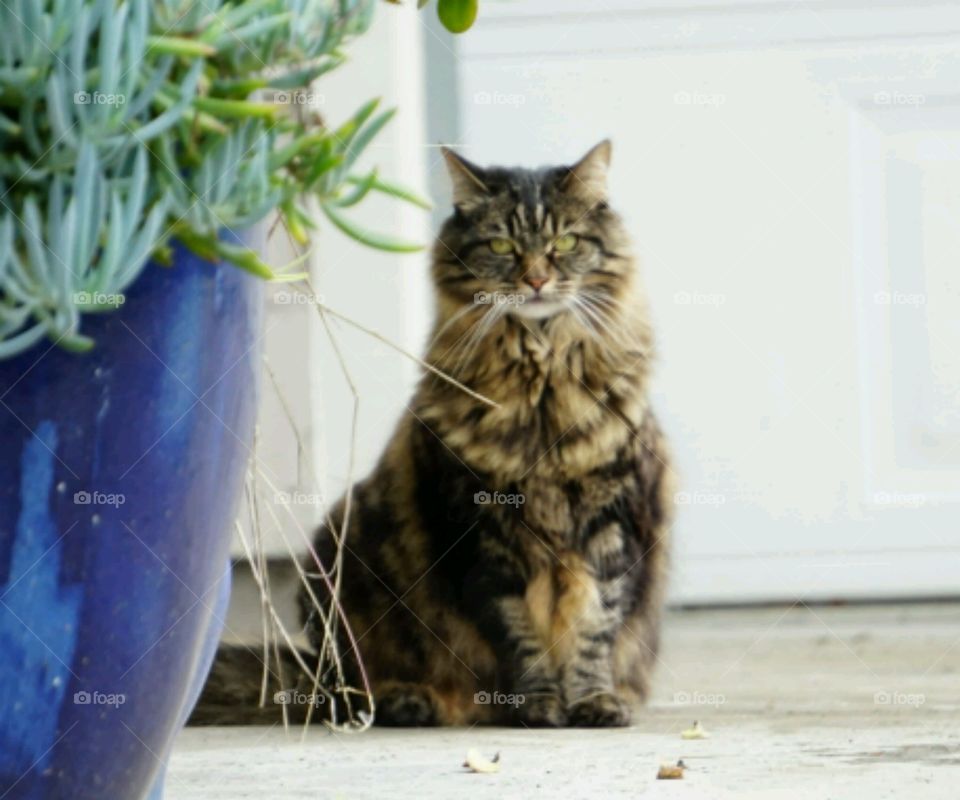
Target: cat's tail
x,y
236,692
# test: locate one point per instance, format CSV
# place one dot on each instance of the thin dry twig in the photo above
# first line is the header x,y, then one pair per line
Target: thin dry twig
x,y
393,345
329,611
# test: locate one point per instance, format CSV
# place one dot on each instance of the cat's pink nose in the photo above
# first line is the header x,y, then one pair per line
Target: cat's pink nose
x,y
536,281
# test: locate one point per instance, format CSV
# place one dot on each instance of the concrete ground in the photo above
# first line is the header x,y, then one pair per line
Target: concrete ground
x,y
821,702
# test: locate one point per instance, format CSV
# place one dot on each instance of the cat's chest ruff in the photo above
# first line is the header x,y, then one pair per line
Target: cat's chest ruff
x,y
562,433
560,410
534,371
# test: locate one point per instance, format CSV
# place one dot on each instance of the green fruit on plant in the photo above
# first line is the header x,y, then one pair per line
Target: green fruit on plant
x,y
457,15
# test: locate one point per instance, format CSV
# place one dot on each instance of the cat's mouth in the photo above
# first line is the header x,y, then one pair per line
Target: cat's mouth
x,y
539,306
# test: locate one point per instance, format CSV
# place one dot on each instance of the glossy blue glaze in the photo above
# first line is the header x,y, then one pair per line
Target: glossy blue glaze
x,y
120,472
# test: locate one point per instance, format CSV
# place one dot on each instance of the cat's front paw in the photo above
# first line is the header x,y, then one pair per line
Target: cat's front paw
x,y
541,711
603,710
405,705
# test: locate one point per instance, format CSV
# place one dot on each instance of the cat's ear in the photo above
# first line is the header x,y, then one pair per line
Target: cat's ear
x,y
466,178
588,177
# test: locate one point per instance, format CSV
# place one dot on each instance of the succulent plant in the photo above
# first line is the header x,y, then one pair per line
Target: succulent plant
x,y
127,124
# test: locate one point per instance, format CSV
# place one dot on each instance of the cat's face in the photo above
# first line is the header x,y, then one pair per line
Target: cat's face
x,y
536,243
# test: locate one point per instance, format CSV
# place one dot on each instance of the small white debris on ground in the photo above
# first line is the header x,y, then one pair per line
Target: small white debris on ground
x,y
671,772
696,731
476,762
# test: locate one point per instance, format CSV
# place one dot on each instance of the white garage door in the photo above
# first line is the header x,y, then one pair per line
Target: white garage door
x,y
791,172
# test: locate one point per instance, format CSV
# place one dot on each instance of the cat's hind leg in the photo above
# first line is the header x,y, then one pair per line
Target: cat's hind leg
x,y
636,649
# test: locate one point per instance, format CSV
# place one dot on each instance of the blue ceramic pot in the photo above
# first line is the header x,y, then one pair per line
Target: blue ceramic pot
x,y
120,473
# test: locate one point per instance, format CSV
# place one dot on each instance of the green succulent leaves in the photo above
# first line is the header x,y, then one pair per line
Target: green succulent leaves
x,y
126,124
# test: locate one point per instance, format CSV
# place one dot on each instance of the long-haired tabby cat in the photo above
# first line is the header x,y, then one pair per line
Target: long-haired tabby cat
x,y
506,562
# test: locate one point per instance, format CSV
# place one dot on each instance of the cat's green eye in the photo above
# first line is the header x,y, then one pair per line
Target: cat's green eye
x,y
565,243
501,246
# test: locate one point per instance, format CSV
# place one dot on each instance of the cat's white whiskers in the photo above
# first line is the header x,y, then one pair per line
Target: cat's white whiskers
x,y
465,337
585,323
468,340
453,318
601,308
496,311
603,298
599,318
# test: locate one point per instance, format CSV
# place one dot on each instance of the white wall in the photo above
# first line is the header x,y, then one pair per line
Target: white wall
x,y
790,175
